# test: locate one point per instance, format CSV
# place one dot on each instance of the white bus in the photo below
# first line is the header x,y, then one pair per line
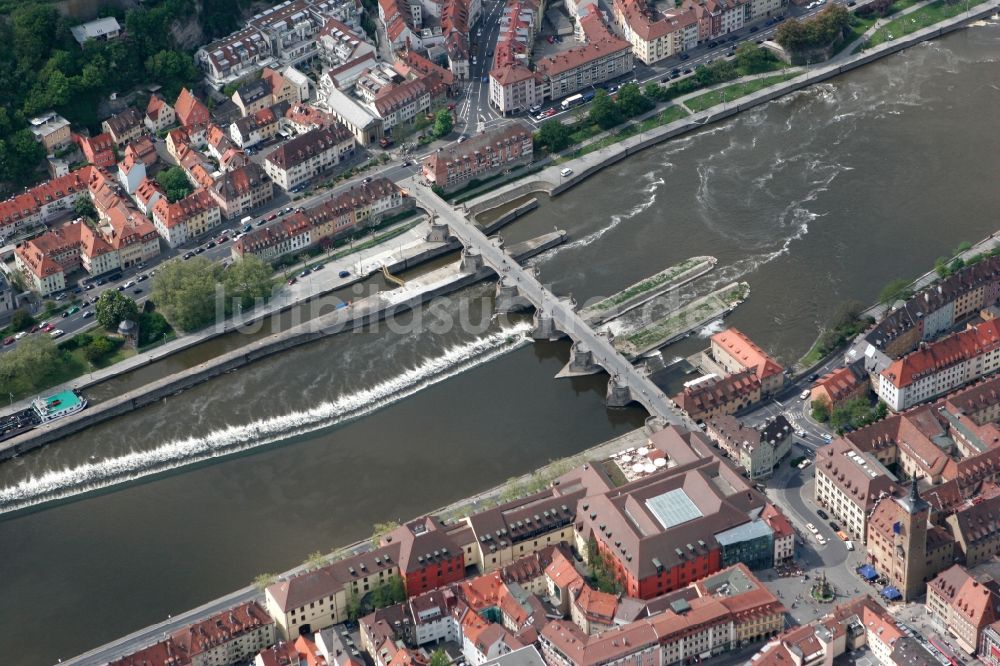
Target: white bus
x,y
571,101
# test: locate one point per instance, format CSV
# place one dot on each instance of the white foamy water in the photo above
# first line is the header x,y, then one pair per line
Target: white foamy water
x,y
63,483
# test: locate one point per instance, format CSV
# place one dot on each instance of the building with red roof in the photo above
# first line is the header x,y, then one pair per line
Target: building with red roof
x,y
234,635
241,190
43,202
840,386
124,127
735,352
481,156
98,150
159,114
941,366
190,110
192,216
784,533
308,155
964,605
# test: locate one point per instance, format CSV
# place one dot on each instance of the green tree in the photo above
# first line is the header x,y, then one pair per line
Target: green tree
x,y
84,207
21,319
389,593
443,123
262,581
631,102
353,607
25,367
112,307
897,290
98,348
603,111
941,267
655,92
175,183
380,529
153,327
439,658
34,30
247,281
820,411
752,59
956,265
20,157
315,560
172,69
554,135
185,292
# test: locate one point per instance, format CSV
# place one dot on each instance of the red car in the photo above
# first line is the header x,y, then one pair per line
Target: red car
x,y
9,340
272,216
292,281
48,328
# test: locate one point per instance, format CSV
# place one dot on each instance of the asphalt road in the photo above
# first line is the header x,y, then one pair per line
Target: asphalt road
x,y
79,321
700,55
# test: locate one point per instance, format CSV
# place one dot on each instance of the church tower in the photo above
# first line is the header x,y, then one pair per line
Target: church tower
x,y
910,547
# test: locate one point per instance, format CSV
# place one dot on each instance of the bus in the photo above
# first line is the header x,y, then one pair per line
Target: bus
x,y
572,101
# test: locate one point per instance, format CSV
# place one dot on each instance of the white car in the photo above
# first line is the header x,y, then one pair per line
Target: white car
x,y
57,333
805,395
130,283
566,172
811,528
20,335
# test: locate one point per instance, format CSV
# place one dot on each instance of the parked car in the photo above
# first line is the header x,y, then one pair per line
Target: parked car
x,y
57,333
566,172
130,283
199,250
247,227
48,328
120,287
685,56
188,255
292,281
9,340
834,526
88,314
137,290
140,277
62,297
318,267
305,273
344,274
272,216
209,245
101,282
89,287
822,514
20,335
222,239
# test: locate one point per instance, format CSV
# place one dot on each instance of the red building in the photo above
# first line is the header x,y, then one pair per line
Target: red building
x,y
428,558
666,530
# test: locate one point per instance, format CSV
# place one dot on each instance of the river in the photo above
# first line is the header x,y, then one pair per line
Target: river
x,y
814,199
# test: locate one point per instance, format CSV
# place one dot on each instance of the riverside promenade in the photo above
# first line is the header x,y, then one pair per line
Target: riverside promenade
x,y
550,181
148,635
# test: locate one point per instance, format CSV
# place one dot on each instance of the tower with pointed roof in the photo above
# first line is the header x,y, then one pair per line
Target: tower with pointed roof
x,y
909,569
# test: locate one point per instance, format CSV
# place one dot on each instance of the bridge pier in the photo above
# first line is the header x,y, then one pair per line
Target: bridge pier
x,y
619,394
581,362
509,298
472,260
438,233
655,424
545,327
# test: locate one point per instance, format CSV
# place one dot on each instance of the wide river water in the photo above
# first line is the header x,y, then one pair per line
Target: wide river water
x,y
820,197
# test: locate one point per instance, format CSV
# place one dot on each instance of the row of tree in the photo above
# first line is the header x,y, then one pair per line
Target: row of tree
x,y
195,293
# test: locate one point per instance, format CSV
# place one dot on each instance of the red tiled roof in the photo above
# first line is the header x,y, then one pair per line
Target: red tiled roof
x,y
747,352
939,355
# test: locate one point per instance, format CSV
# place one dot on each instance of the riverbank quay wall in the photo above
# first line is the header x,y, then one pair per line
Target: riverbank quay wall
x,y
363,313
552,183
